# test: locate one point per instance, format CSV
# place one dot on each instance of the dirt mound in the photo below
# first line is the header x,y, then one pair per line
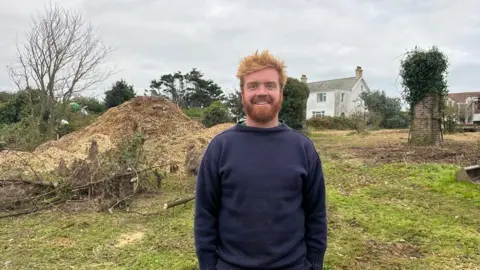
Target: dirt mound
x,y
16,163
157,118
195,148
168,135
90,172
172,151
209,133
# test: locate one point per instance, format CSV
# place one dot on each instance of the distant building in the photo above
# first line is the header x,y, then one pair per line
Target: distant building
x,y
461,103
337,97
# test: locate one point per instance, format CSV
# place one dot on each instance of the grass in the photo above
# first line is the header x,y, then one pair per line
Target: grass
x,y
382,216
57,240
404,217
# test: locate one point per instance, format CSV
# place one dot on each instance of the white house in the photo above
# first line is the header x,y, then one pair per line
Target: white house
x,y
463,105
337,97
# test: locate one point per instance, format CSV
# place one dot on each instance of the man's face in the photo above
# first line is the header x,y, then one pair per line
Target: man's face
x,y
262,96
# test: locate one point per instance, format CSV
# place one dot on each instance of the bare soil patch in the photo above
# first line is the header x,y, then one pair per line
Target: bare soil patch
x,y
387,146
405,250
386,255
64,242
449,153
129,238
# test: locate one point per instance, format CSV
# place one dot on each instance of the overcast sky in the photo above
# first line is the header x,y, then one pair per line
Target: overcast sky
x,y
321,40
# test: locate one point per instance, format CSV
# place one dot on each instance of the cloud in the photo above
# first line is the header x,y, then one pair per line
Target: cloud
x,y
322,40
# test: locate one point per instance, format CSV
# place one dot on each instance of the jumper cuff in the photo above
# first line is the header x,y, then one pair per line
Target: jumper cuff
x,y
316,259
207,262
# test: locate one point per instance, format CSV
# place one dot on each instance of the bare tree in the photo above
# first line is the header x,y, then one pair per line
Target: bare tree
x,y
61,57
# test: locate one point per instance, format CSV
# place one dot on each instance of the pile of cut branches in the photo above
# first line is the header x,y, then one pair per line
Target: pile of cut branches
x,y
109,180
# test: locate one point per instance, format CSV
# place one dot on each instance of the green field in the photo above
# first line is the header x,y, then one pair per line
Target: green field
x,y
386,210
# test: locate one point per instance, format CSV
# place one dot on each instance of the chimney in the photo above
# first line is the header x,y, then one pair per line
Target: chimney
x,y
304,78
358,72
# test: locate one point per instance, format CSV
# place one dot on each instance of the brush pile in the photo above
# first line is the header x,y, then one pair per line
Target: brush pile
x,y
126,151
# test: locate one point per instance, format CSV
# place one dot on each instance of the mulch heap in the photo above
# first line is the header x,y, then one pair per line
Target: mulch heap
x,y
157,118
67,164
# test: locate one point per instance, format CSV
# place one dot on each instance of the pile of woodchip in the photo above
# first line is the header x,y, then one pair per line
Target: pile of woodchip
x,y
89,166
167,130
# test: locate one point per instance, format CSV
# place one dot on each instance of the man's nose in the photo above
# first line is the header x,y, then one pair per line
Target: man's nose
x,y
262,89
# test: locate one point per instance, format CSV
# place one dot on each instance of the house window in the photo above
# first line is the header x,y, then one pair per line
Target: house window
x,y
321,97
318,113
361,87
343,97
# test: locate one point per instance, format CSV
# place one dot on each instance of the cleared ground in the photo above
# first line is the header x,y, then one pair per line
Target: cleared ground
x,y
389,207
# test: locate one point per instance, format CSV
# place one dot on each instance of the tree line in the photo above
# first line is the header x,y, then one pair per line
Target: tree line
x,y
202,98
61,57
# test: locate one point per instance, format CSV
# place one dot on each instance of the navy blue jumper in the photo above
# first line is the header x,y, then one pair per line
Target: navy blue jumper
x,y
260,201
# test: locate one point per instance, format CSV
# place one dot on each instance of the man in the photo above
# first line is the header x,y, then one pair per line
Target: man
x,y
260,194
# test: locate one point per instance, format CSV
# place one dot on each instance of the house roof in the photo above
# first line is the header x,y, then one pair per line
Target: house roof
x,y
340,84
462,97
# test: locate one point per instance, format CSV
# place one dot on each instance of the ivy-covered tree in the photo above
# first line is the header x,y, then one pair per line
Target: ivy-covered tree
x,y
425,88
119,93
295,95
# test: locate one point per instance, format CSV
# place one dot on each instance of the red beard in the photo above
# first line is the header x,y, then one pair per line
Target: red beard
x,y
262,113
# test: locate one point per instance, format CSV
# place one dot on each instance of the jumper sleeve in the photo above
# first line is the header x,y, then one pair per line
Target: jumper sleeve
x,y
207,197
315,212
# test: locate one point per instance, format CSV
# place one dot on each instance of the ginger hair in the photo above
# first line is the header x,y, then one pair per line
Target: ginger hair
x,y
258,61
